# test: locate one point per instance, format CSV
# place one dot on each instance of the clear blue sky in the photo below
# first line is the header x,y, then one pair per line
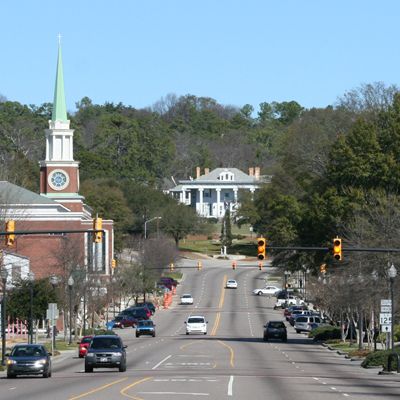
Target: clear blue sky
x,y
236,52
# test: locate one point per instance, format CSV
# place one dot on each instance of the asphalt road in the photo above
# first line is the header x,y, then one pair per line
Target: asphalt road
x,y
231,361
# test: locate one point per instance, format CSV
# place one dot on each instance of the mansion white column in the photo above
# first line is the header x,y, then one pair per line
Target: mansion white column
x,y
200,211
218,202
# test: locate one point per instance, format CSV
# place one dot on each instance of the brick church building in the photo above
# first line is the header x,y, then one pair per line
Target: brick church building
x,y
57,207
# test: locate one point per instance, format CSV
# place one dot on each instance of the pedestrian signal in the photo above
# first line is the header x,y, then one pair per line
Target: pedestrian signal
x,y
10,236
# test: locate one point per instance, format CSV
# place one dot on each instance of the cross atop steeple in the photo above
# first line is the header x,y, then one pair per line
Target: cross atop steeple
x,y
59,106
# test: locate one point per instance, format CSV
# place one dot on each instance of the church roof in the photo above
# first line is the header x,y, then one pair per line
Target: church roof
x,y
11,194
59,106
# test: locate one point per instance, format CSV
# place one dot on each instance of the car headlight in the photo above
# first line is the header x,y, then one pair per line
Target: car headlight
x,y
89,355
43,361
11,362
117,353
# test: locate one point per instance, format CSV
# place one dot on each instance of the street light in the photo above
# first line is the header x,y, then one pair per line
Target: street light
x,y
31,279
392,274
145,225
287,273
54,282
3,275
70,285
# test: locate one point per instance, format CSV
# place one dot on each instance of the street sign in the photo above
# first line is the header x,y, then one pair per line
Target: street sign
x,y
385,319
386,302
386,328
386,309
52,312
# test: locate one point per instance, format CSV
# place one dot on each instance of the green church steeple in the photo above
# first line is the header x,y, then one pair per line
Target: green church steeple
x,y
59,107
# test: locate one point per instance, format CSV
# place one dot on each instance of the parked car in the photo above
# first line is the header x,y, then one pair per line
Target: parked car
x,y
298,313
231,284
288,311
186,299
146,327
169,280
304,323
287,301
149,305
83,345
28,359
137,312
196,324
269,290
106,351
123,321
275,330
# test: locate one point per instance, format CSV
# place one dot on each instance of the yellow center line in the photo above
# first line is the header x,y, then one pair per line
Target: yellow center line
x,y
97,389
131,386
231,351
221,300
216,324
189,344
220,305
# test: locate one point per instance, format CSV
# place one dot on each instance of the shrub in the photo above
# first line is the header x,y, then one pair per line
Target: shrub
x,y
379,359
323,333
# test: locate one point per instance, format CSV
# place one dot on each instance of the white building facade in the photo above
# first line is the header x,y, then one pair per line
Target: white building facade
x,y
214,192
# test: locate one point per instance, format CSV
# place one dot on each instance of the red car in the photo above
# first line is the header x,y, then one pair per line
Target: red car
x,y
83,345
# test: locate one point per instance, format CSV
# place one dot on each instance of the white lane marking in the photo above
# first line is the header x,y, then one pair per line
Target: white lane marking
x,y
165,359
333,388
185,394
230,386
317,379
345,394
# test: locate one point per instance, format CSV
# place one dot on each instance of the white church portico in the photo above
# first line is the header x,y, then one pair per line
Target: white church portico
x,y
214,192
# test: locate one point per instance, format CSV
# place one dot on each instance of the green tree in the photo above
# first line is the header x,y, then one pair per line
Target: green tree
x,y
18,300
178,221
226,230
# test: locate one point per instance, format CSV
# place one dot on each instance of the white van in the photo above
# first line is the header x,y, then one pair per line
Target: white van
x,y
302,322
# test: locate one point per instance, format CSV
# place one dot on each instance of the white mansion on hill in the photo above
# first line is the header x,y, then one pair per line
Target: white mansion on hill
x,y
214,192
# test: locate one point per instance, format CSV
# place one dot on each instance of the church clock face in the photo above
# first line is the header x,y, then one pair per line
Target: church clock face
x,y
58,179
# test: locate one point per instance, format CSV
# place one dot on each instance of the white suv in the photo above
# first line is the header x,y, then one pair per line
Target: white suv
x,y
196,324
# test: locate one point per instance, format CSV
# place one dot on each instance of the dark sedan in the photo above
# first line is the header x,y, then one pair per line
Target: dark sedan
x,y
28,359
106,351
275,330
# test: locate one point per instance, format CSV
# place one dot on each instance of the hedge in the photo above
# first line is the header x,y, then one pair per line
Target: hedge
x,y
379,359
323,333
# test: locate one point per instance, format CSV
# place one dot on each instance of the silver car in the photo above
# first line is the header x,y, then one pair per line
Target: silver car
x,y
303,322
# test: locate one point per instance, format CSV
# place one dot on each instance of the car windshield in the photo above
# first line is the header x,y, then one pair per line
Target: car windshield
x,y
276,324
28,351
301,319
195,320
186,296
86,340
146,323
106,343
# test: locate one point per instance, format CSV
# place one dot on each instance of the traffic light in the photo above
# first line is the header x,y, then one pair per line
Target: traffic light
x,y
322,268
10,236
113,263
337,249
98,226
233,264
171,267
199,266
260,265
261,248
